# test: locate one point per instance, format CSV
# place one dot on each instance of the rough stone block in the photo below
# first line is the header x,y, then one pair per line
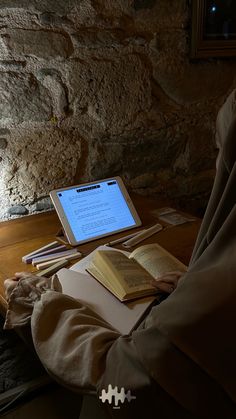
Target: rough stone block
x,y
12,65
57,6
4,131
3,143
40,160
156,16
43,204
143,4
18,210
38,43
133,156
22,98
94,39
107,96
183,81
18,18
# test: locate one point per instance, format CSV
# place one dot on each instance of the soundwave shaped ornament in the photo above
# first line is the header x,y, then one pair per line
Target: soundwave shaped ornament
x,y
119,396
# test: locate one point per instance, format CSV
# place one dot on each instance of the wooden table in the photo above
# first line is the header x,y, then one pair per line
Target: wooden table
x,y
23,235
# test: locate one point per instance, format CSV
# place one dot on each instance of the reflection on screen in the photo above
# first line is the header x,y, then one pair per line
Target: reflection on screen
x,y
95,210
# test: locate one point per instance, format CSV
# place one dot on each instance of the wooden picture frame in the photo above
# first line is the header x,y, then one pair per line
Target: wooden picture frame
x,y
204,42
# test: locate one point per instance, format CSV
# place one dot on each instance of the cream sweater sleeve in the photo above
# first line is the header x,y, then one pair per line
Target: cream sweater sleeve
x,y
71,340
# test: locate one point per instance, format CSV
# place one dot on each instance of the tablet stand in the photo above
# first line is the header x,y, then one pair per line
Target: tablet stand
x,y
60,236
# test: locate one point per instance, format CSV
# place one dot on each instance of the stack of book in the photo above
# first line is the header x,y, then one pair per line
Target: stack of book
x,y
50,258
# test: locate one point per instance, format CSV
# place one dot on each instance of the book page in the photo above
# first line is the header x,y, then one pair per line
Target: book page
x,y
131,276
92,270
156,260
84,263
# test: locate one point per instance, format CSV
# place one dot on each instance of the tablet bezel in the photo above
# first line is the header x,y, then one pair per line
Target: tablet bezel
x,y
64,221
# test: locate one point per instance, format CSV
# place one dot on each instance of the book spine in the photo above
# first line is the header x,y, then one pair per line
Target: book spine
x,y
53,269
59,248
41,249
143,235
45,265
37,260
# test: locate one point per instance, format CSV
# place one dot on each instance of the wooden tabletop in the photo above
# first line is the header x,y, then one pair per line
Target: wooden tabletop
x,y
23,235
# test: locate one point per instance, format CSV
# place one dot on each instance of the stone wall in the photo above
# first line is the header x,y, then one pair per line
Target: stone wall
x,y
96,88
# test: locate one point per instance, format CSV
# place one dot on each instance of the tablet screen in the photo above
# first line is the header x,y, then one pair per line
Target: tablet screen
x,y
96,209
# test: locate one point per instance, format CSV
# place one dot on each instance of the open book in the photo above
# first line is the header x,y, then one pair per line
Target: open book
x,y
130,277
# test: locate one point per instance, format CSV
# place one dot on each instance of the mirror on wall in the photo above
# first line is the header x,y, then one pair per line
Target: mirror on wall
x,y
213,28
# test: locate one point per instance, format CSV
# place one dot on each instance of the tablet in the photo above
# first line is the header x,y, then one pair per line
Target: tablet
x,y
94,210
